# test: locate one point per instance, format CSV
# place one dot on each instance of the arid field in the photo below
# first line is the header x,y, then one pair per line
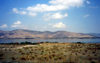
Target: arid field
x,y
50,53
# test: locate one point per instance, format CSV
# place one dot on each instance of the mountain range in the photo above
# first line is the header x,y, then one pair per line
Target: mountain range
x,y
21,33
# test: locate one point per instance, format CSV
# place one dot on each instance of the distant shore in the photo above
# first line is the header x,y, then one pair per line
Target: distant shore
x,y
57,38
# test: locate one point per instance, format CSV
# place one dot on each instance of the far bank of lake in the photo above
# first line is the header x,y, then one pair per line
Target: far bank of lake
x,y
85,40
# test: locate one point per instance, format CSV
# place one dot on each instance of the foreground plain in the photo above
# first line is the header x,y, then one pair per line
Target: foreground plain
x,y
50,53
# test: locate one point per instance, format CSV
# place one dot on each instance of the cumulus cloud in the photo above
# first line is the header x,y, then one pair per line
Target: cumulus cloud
x,y
32,14
15,10
4,26
16,24
45,7
53,5
59,25
56,5
56,15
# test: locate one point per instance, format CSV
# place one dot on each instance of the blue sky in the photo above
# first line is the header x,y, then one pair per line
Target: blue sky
x,y
81,16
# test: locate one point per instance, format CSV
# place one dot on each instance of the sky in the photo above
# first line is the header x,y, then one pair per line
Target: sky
x,y
81,16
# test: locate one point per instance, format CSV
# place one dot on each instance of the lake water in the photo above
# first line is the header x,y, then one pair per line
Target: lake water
x,y
97,40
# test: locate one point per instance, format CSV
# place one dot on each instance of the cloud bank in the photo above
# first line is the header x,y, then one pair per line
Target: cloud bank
x,y
52,10
4,26
51,6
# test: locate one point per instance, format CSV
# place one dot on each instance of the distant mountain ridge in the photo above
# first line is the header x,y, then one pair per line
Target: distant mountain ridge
x,y
94,34
21,33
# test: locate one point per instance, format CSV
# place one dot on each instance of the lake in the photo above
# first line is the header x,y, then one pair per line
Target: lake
x,y
96,40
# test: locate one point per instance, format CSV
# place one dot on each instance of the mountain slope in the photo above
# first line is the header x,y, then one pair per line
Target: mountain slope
x,y
20,33
94,34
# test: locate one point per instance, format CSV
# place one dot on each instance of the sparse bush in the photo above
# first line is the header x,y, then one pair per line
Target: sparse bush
x,y
52,53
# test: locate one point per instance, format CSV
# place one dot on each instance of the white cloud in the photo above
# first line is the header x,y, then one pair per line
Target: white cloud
x,y
45,7
23,12
32,14
68,3
16,24
15,10
56,5
59,25
53,5
88,2
57,15
4,26
87,15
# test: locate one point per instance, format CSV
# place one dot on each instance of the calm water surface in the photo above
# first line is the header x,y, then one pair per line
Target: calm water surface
x,y
97,40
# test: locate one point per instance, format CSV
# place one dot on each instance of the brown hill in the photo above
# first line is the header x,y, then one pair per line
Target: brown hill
x,y
20,33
